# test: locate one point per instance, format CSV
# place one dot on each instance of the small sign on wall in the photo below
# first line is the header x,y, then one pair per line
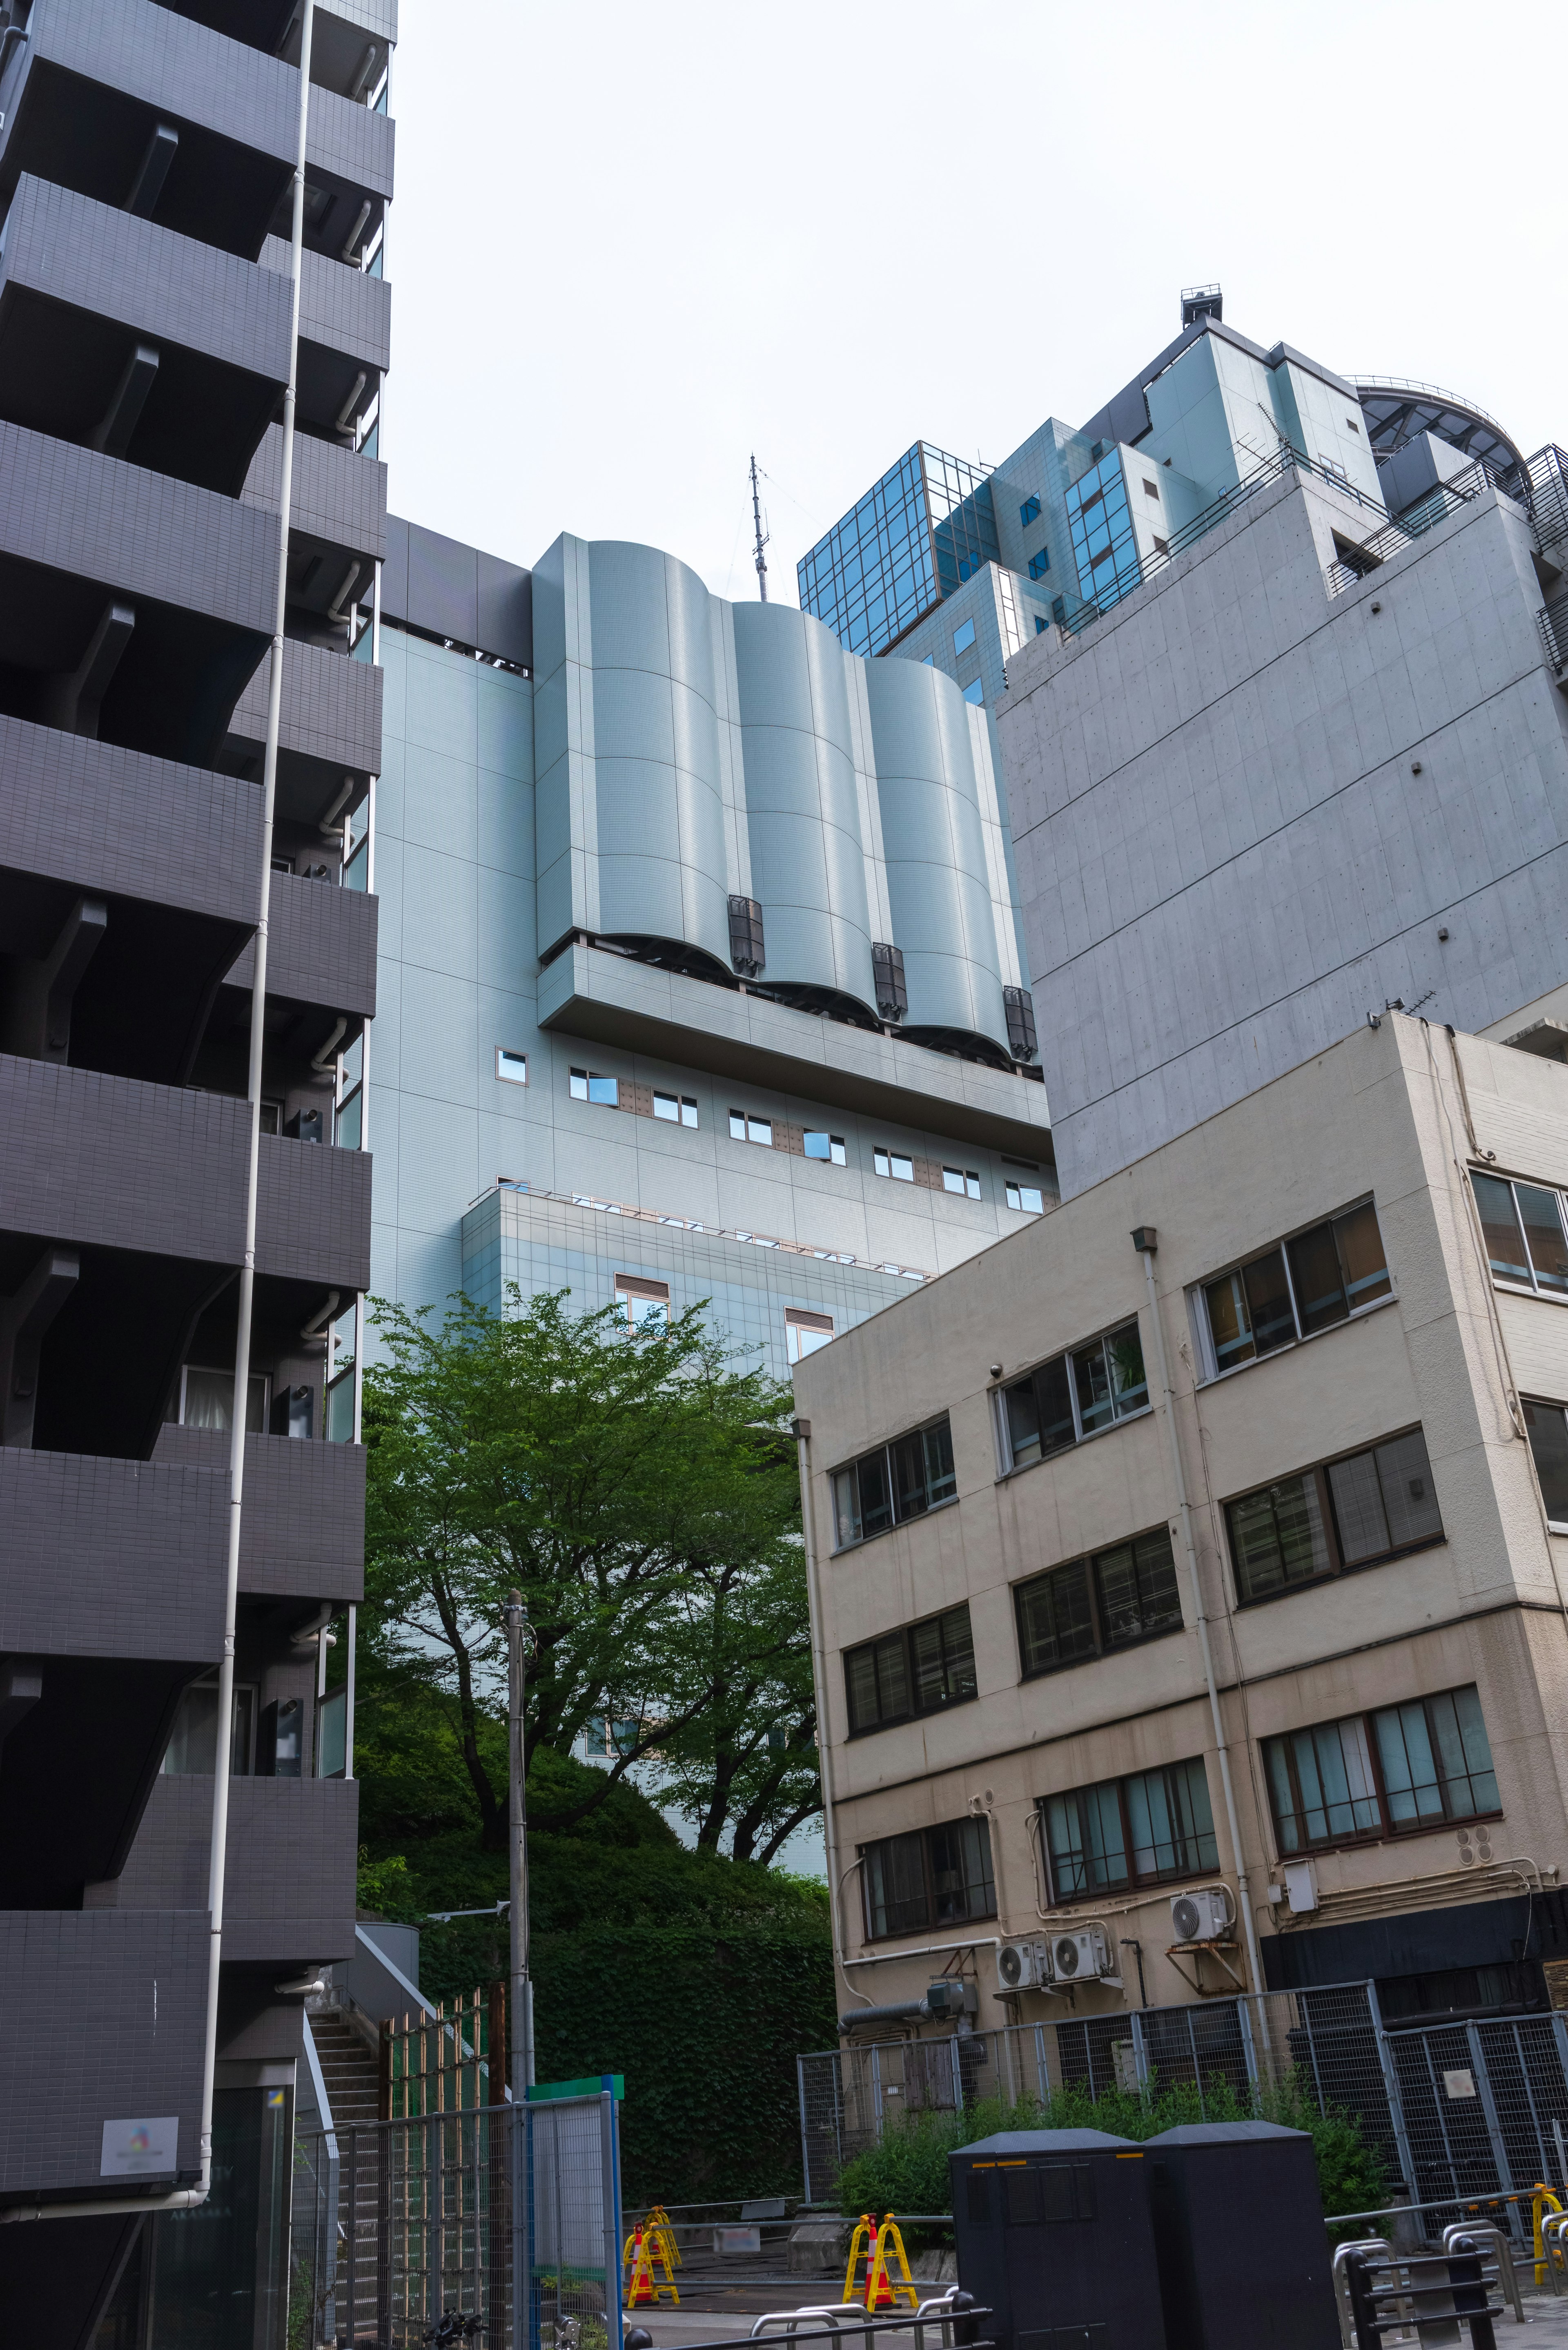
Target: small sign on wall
x,y
133,2147
1460,2083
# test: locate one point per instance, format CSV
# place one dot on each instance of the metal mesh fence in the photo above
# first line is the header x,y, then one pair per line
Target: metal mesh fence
x,y
398,2223
1457,2112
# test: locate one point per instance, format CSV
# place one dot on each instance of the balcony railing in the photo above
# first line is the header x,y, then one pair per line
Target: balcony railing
x,y
1446,498
1141,568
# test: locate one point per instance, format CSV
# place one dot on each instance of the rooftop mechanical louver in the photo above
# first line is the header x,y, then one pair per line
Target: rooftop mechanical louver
x,y
1021,1040
887,976
746,936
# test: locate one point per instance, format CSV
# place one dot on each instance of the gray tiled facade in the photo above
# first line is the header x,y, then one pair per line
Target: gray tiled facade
x,y
144,330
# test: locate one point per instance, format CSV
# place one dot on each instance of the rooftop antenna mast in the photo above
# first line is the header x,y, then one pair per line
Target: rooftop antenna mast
x,y
762,536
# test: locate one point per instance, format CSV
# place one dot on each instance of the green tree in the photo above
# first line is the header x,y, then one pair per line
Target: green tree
x,y
642,1496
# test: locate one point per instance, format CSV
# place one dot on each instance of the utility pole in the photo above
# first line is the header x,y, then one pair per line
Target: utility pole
x,y
762,536
522,2036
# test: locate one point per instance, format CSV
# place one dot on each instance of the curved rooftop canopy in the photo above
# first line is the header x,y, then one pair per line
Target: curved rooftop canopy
x,y
1396,411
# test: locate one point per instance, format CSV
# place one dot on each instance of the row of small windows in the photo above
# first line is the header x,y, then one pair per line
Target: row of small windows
x,y
746,1126
643,1302
1400,1770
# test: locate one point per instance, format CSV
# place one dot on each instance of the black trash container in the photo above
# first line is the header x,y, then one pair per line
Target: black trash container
x,y
1054,2236
1244,2256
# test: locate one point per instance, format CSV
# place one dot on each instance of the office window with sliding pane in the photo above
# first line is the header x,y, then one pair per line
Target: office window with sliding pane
x,y
932,1876
1390,1772
1147,1829
1359,1511
1319,1277
1523,1226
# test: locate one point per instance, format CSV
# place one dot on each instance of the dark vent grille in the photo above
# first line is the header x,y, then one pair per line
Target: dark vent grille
x,y
888,973
1021,1040
746,936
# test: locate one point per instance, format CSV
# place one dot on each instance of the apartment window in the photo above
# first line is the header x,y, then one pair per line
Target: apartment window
x,y
918,1669
828,1147
963,636
1073,1396
643,1302
1548,1427
937,1877
899,1480
1143,1830
1356,1512
963,1181
1022,1189
1298,1287
893,1163
1039,565
1091,1606
589,1086
1522,1223
743,1127
975,690
511,1069
805,1332
193,1748
1384,1774
1028,512
206,1400
678,1110
342,1348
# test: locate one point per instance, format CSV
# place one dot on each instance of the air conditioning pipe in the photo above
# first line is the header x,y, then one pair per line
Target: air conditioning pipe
x,y
900,2011
184,2198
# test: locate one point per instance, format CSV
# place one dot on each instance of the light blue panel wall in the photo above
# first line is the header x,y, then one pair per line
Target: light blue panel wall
x,y
803,818
1191,421
934,844
1326,424
660,852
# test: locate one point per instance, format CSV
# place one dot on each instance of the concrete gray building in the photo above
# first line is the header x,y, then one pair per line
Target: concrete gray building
x,y
1273,655
147,157
699,968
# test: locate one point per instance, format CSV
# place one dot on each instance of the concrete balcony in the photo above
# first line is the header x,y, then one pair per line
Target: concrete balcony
x,y
331,727
88,86
293,1844
81,535
312,1215
340,498
117,1558
174,852
302,1534
83,285
116,2005
321,949
587,991
345,334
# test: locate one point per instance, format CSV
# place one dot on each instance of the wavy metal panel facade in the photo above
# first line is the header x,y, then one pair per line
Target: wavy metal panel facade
x,y
689,750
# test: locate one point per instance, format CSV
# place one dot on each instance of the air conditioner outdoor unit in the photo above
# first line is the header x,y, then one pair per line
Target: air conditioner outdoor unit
x,y
1206,1916
1023,1966
1084,1957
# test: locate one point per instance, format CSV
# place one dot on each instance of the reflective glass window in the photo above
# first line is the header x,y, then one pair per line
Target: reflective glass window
x,y
975,692
936,1876
828,1147
1499,1227
963,636
1029,512
1039,565
898,1481
1334,1268
1548,1426
1351,1512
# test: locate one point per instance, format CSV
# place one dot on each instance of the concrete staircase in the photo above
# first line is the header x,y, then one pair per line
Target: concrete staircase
x,y
350,2073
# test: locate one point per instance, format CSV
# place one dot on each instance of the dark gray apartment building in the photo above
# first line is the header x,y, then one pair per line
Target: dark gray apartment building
x,y
146,159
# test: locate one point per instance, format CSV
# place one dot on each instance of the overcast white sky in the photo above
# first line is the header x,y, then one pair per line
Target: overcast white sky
x,y
631,243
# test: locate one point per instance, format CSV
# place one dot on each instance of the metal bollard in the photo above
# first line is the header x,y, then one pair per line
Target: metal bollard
x,y
1470,2290
1350,2324
1494,2243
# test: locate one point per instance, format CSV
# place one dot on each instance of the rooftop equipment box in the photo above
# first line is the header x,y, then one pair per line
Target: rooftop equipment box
x,y
1243,2252
1054,2236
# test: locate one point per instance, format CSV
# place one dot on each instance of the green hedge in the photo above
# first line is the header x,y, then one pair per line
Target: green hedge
x,y
908,2171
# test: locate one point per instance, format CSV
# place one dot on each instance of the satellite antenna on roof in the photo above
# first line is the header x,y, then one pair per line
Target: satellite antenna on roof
x,y
762,536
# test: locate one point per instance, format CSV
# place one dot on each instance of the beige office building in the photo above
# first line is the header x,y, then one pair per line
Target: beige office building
x,y
1207,1537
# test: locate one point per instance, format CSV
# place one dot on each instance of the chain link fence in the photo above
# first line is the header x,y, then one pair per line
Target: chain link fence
x,y
1459,2112
398,2223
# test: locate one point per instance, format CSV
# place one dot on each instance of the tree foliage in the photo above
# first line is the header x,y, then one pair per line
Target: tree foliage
x,y
642,1495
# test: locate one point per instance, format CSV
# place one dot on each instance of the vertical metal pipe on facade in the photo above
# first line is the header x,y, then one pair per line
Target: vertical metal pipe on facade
x,y
1143,1240
801,1429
